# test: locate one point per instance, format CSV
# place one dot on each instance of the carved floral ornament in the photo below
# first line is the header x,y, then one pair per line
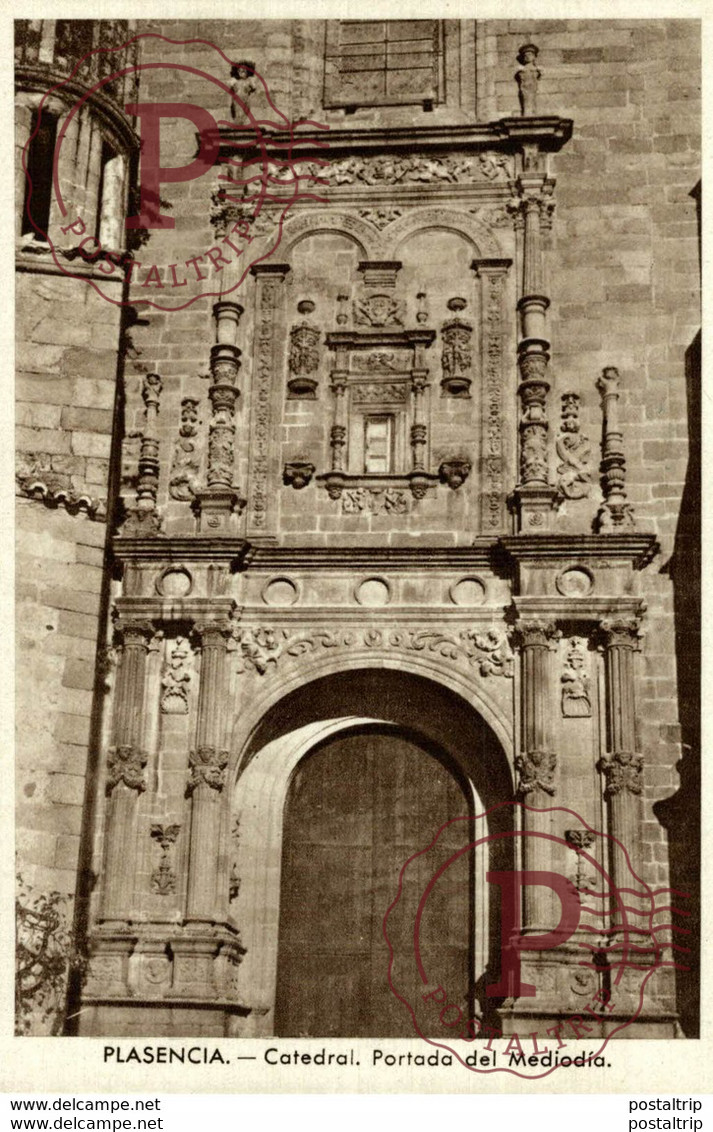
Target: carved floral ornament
x,y
163,878
574,452
185,465
304,354
176,678
261,649
490,165
575,681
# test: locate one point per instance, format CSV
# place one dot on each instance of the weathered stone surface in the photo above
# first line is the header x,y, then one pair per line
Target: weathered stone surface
x,y
410,243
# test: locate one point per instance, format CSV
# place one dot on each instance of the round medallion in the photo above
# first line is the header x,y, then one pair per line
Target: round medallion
x,y
468,591
575,581
373,591
174,581
280,591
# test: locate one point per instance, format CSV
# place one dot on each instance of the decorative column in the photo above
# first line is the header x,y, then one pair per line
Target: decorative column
x,y
536,765
218,501
265,397
125,775
621,766
615,513
535,495
334,482
144,518
208,763
418,428
421,340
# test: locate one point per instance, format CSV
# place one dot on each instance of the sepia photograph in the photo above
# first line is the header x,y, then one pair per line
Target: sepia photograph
x,y
358,535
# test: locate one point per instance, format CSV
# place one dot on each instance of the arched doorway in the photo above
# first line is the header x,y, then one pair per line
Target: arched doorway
x,y
357,809
444,733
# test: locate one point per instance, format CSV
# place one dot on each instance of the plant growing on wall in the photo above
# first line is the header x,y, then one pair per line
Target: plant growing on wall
x,y
45,955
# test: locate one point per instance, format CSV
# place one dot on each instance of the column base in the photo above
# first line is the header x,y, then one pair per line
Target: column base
x,y
216,508
188,976
535,506
588,1002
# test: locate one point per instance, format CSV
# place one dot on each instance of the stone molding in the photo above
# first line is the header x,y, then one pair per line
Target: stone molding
x,y
548,132
486,649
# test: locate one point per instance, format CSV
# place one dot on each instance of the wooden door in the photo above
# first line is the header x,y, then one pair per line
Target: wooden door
x,y
356,810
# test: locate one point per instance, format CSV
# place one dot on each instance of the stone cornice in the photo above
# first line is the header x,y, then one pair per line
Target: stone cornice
x,y
595,609
386,617
549,133
203,609
508,551
419,557
181,549
367,339
639,549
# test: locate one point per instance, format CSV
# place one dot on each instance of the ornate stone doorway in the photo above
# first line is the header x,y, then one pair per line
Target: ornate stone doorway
x,y
357,809
328,807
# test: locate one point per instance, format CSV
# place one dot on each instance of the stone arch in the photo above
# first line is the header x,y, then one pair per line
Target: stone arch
x,y
484,243
317,221
304,714
434,668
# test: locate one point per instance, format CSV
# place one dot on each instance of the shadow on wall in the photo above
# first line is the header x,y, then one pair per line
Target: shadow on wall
x,y
681,813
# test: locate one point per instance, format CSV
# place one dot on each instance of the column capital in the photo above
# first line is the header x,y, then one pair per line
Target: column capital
x,y
535,634
537,772
126,764
484,267
623,633
208,767
134,630
609,382
266,271
623,772
213,633
151,388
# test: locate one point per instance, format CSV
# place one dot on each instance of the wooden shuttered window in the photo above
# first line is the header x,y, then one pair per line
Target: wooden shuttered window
x,y
383,63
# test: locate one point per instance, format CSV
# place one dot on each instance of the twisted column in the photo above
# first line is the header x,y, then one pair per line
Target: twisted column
x,y
418,427
334,481
218,500
125,772
615,512
535,494
144,518
208,763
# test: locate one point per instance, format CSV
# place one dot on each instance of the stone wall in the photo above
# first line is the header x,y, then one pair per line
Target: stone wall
x,y
67,340
623,277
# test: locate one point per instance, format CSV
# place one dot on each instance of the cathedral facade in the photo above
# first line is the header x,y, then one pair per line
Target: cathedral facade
x,y
357,476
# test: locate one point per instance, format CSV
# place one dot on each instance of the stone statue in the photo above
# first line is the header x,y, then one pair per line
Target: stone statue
x,y
243,86
528,78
